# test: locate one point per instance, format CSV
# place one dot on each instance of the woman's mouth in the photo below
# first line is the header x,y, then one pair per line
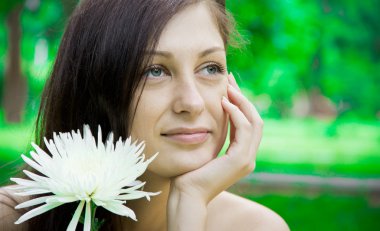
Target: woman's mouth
x,y
187,136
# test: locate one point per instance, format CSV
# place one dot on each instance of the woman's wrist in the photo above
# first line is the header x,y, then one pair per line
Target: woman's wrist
x,y
185,211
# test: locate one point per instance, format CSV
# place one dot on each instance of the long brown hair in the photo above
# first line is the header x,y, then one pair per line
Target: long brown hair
x,y
99,65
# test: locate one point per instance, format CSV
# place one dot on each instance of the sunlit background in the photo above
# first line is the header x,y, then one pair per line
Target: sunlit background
x,y
312,68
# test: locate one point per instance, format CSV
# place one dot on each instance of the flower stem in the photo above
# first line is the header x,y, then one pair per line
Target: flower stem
x,y
95,223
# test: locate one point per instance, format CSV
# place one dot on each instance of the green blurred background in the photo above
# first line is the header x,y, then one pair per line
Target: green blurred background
x,y
312,68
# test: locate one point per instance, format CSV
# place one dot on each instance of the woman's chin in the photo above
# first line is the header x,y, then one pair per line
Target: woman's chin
x,y
179,166
176,160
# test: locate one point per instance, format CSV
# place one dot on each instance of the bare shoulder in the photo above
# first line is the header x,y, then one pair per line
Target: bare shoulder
x,y
8,214
231,212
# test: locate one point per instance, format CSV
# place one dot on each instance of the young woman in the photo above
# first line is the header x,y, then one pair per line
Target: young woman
x,y
156,70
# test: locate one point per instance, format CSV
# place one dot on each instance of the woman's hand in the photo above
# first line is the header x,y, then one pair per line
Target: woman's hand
x,y
191,192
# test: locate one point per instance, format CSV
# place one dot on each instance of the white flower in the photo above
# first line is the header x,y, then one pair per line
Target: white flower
x,y
81,170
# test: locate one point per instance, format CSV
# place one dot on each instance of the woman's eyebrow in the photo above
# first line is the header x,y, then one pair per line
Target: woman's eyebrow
x,y
201,54
165,54
210,50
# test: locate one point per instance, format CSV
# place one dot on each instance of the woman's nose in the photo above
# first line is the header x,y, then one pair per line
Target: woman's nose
x,y
188,99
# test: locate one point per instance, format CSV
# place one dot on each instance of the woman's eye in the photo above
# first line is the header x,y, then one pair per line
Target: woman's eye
x,y
155,72
212,69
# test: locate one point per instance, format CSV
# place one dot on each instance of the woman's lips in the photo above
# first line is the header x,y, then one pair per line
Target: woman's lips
x,y
188,137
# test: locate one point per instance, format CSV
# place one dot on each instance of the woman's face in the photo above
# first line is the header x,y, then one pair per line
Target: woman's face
x,y
179,113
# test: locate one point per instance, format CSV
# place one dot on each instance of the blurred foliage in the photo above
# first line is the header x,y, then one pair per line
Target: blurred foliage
x,y
7,6
41,24
296,46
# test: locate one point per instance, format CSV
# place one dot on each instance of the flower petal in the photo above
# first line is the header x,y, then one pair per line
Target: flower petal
x,y
17,187
88,137
63,199
152,158
120,209
98,202
137,195
58,144
100,140
74,221
35,177
32,192
131,189
53,150
135,183
33,164
37,211
28,183
36,201
43,158
87,217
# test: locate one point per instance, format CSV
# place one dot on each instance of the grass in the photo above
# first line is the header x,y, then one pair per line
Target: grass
x,y
320,148
326,211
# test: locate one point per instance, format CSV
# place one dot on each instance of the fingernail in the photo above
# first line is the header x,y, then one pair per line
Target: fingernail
x,y
229,78
231,87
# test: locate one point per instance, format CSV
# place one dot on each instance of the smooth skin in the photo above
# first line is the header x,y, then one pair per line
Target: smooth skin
x,y
188,87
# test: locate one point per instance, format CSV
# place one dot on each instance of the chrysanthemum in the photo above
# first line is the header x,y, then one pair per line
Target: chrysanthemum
x,y
81,169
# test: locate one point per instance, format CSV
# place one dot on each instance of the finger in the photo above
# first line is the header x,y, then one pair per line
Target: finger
x,y
241,102
232,132
249,111
238,120
232,127
232,81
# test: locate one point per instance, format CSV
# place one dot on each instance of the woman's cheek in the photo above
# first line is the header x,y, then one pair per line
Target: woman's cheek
x,y
220,117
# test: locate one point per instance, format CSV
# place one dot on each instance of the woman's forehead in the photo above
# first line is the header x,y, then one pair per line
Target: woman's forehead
x,y
193,28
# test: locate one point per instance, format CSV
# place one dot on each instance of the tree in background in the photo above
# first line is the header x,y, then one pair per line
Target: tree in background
x,y
42,23
15,85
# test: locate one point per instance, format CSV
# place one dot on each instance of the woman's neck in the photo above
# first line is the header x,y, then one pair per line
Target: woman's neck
x,y
151,215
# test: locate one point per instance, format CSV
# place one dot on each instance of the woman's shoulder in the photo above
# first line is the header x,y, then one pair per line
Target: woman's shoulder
x,y
228,211
8,213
